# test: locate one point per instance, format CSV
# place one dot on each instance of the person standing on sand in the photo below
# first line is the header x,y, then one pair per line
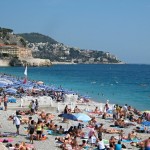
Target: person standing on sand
x,y
100,131
17,122
33,107
5,102
31,130
36,105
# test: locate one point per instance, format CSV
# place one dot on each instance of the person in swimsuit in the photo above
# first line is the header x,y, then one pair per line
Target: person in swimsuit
x,y
147,144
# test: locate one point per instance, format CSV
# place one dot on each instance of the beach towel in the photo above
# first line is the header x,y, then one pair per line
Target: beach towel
x,y
8,134
6,140
129,141
51,132
45,128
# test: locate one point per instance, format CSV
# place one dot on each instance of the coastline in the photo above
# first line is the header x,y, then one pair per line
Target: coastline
x,y
45,62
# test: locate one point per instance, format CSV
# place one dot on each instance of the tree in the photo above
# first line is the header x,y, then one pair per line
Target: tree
x,y
23,42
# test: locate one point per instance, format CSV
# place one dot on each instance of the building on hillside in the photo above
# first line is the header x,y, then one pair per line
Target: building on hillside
x,y
24,52
15,51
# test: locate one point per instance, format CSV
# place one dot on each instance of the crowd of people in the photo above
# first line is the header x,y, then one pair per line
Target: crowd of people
x,y
122,118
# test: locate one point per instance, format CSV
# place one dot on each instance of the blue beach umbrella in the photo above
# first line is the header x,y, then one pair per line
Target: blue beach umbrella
x,y
11,91
2,85
76,117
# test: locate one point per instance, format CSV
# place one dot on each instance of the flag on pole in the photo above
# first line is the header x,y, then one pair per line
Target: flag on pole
x,y
25,71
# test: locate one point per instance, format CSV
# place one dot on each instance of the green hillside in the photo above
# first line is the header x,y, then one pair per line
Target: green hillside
x,y
37,38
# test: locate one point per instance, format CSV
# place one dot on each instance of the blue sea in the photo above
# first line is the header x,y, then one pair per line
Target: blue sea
x,y
121,84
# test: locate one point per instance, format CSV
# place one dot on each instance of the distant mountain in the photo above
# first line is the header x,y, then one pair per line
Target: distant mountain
x,y
47,48
37,38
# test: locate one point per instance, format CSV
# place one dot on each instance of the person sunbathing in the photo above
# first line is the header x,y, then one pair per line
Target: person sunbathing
x,y
112,141
50,116
74,144
61,130
92,122
43,114
121,135
132,135
51,125
112,131
16,146
117,122
55,128
24,120
84,144
122,124
23,146
76,109
79,132
66,139
96,111
139,120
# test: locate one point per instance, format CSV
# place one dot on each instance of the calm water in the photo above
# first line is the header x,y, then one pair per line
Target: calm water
x,y
119,83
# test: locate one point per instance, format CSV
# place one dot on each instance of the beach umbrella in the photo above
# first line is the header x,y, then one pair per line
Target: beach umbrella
x,y
11,91
40,82
2,85
76,117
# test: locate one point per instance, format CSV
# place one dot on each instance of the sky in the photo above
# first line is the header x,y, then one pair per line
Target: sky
x,y
121,27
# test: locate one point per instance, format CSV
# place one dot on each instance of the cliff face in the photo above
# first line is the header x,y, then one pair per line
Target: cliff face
x,y
36,62
4,62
